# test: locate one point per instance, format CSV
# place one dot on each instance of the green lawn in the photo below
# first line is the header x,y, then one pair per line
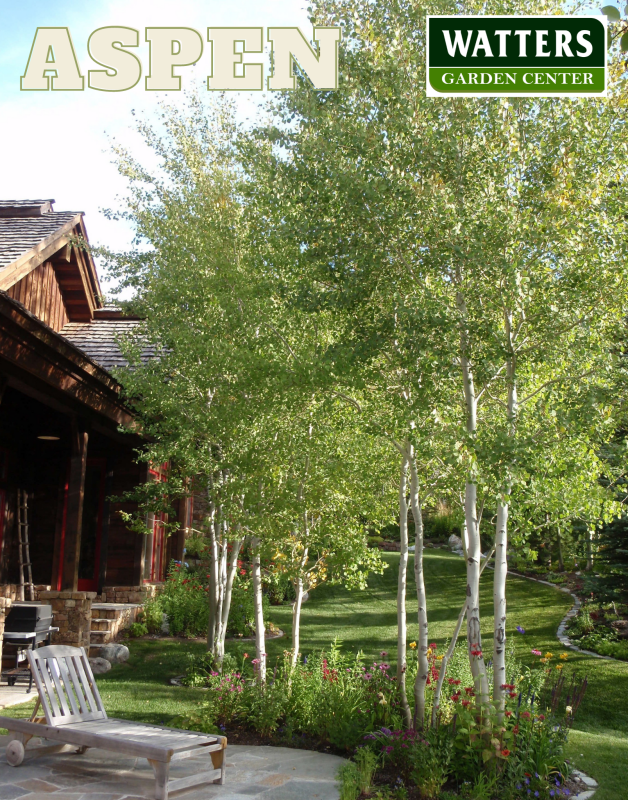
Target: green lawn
x,y
366,620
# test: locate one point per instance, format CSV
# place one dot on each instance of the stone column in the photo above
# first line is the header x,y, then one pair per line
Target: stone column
x,y
72,614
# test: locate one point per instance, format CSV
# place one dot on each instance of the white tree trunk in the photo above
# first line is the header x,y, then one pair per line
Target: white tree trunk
x,y
228,591
222,587
296,609
499,608
260,633
450,650
474,638
402,633
419,579
501,541
213,579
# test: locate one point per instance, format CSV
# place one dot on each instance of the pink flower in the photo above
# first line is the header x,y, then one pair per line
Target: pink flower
x,y
536,653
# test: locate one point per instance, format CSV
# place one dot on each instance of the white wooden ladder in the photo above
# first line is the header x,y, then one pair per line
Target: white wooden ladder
x,y
23,547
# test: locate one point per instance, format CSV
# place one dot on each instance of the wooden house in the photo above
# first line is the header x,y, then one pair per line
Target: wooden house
x,y
62,455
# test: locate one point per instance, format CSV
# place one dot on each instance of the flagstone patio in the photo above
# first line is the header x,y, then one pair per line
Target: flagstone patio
x,y
272,773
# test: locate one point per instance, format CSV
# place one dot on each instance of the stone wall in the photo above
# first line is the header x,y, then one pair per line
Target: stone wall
x,y
128,594
12,590
72,614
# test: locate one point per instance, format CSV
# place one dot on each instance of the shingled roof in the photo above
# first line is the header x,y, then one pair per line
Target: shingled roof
x,y
19,235
99,339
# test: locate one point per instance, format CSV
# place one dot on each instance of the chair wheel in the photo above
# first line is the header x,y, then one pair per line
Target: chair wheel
x,y
15,753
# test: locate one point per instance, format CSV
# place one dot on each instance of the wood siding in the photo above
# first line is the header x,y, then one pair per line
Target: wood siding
x,y
39,292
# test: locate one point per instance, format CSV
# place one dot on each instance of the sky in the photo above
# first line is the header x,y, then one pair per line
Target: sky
x,y
58,144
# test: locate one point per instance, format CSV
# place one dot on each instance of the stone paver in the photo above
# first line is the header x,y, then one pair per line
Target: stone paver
x,y
271,773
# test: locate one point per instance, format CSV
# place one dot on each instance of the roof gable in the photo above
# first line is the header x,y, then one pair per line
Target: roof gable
x,y
32,233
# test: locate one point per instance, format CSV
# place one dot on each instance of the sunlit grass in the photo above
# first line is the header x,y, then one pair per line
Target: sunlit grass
x,y
366,620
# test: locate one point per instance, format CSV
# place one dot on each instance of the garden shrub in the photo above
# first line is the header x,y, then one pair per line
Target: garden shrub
x,y
348,778
151,615
366,761
184,601
334,697
196,546
138,629
277,587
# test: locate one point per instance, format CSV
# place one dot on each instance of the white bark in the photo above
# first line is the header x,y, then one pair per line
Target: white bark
x,y
402,633
213,579
228,591
499,608
419,579
473,554
501,540
296,609
260,633
452,646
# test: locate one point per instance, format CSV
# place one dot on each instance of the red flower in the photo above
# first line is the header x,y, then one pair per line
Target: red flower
x,y
512,694
466,703
505,753
516,730
509,713
525,714
541,717
433,646
469,691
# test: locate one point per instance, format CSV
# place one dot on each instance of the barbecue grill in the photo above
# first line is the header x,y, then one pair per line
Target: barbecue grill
x,y
27,625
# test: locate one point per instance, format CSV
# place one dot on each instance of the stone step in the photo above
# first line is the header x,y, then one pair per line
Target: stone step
x,y
109,619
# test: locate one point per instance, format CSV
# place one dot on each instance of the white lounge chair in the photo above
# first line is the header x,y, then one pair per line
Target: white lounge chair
x,y
75,717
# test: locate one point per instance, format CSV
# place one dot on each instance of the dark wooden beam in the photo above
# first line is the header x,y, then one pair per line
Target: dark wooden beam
x,y
74,517
104,533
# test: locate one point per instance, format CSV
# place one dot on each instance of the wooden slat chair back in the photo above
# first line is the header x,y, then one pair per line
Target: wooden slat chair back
x,y
75,718
66,686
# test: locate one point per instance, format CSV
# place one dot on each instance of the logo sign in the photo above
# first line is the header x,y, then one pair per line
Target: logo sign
x,y
516,56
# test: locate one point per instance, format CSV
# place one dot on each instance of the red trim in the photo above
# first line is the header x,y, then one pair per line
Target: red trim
x,y
158,542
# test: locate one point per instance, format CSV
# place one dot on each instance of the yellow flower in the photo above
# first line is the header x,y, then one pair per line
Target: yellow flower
x,y
564,656
568,709
549,655
412,645
439,658
543,660
429,651
559,666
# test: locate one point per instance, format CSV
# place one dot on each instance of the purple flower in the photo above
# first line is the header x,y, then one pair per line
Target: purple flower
x,y
552,793
386,731
520,629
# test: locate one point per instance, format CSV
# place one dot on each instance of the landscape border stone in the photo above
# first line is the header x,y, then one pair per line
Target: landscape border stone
x,y
562,628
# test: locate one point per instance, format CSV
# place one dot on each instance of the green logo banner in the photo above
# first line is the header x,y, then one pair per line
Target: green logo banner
x,y
523,56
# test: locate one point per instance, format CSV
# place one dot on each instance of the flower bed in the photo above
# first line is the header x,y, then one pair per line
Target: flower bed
x,y
339,702
601,628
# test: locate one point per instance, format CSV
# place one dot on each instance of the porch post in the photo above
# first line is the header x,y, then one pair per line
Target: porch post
x,y
74,519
